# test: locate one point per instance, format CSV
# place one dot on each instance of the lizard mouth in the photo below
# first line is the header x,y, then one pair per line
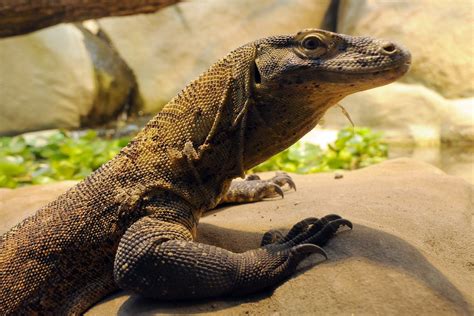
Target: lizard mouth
x,y
398,70
389,73
400,67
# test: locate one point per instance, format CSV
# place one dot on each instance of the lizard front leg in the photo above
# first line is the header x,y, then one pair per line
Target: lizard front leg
x,y
159,259
254,189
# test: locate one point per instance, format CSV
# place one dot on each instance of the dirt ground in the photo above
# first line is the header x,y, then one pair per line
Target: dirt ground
x,y
411,251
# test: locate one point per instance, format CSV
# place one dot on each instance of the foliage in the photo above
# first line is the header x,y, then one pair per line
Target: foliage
x,y
354,148
56,157
60,156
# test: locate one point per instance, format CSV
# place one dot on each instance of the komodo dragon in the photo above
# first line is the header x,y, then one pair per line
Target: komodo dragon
x,y
131,224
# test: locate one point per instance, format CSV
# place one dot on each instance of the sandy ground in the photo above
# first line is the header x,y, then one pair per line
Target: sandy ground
x,y
411,250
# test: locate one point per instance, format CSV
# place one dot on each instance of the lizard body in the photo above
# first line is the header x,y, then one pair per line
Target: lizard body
x,y
132,222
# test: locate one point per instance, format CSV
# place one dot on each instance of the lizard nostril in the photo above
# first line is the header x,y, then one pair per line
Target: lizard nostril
x,y
389,48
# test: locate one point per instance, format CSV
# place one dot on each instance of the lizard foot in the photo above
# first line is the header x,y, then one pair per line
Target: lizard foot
x,y
160,259
306,229
254,189
315,231
279,254
271,237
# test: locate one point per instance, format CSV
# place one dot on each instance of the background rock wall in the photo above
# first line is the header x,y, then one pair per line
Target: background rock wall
x,y
170,48
436,103
438,33
55,77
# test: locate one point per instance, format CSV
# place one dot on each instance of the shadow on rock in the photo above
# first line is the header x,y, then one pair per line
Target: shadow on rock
x,y
393,252
136,305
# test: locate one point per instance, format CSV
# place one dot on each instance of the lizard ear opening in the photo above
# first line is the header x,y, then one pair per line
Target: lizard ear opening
x,y
256,74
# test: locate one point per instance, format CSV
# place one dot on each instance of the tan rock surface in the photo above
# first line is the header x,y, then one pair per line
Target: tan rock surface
x,y
411,251
438,33
168,49
16,204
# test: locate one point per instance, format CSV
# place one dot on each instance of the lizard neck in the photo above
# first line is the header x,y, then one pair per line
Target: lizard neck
x,y
279,117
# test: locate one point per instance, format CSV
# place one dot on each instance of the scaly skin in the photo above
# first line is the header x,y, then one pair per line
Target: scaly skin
x,y
131,224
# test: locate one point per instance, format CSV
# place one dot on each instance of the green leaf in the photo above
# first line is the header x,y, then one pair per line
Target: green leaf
x,y
12,166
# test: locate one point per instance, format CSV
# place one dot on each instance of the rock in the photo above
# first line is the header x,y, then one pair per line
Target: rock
x,y
46,80
458,126
115,84
404,113
458,161
168,49
61,77
20,203
437,32
412,243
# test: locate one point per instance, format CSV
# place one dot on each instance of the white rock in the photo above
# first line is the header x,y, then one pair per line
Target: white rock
x,y
46,80
168,49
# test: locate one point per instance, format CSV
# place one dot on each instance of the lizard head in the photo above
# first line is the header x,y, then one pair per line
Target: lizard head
x,y
297,78
346,63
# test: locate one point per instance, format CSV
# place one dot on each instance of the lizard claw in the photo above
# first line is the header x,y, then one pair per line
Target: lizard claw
x,y
340,222
332,217
277,190
282,178
308,249
291,184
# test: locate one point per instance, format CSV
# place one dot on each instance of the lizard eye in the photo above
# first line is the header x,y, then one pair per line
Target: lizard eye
x,y
311,43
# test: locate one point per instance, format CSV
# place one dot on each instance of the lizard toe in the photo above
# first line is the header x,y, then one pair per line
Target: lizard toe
x,y
308,249
271,237
252,177
282,179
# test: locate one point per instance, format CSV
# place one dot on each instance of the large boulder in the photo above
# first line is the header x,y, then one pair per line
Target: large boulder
x,y
437,32
61,77
173,46
412,243
46,80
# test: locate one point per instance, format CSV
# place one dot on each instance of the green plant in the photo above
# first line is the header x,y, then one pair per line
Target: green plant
x,y
60,156
354,148
57,157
